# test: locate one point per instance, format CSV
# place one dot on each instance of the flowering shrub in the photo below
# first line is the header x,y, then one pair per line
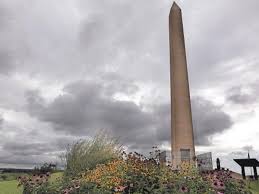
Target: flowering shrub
x,y
222,182
33,183
72,187
109,176
135,174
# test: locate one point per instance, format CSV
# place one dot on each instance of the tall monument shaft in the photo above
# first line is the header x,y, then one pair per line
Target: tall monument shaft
x,y
182,140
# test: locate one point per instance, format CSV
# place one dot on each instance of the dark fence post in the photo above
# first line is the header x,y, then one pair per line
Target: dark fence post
x,y
243,172
255,173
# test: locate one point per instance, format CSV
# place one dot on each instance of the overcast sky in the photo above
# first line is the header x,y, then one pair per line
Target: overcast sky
x,y
71,68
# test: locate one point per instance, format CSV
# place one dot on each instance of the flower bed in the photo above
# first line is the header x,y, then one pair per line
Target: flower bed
x,y
135,174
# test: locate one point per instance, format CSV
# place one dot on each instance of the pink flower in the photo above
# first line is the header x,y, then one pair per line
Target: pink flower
x,y
184,189
120,189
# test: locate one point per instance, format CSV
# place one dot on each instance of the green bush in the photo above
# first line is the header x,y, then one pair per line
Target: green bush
x,y
4,177
43,169
86,154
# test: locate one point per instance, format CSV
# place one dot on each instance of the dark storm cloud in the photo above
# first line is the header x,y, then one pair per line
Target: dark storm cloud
x,y
111,23
130,35
113,28
115,83
85,108
239,98
239,95
208,120
27,149
6,54
42,43
6,62
27,152
18,160
6,58
1,121
122,31
30,160
163,119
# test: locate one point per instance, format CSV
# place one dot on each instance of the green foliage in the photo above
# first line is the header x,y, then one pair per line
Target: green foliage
x,y
10,176
46,167
4,177
86,154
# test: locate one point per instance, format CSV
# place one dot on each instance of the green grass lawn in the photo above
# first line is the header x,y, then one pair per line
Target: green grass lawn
x,y
55,176
10,187
254,187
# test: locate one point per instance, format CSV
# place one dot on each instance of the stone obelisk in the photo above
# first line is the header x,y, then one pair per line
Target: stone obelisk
x,y
182,140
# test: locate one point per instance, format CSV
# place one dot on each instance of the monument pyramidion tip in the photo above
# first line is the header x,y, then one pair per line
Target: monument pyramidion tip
x,y
176,6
